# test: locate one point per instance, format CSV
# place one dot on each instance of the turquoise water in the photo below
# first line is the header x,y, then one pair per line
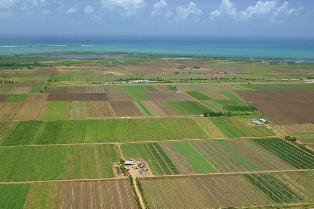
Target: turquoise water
x,y
265,49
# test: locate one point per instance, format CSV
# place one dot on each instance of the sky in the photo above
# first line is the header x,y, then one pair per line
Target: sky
x,y
177,18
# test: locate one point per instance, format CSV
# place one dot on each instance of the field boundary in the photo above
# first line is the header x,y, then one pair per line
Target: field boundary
x,y
160,176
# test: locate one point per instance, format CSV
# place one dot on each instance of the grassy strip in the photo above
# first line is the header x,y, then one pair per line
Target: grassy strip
x,y
13,196
140,188
272,188
166,159
189,107
134,192
198,95
142,108
195,158
288,152
16,97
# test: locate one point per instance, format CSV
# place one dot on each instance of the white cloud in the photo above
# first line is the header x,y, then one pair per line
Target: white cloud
x,y
261,10
267,10
129,6
71,10
226,9
158,7
5,7
88,9
187,11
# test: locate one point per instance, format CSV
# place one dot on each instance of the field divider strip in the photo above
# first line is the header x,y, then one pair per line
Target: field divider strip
x,y
135,142
158,176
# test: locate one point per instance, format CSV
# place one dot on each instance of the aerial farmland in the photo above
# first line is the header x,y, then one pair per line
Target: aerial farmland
x,y
144,131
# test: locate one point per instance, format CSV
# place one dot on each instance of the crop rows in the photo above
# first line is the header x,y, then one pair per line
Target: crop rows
x,y
273,188
189,107
161,157
13,196
294,155
87,131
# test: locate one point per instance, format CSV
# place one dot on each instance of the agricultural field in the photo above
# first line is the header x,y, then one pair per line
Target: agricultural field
x,y
68,122
80,194
57,162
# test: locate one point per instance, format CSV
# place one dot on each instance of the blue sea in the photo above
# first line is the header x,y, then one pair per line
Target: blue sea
x,y
285,49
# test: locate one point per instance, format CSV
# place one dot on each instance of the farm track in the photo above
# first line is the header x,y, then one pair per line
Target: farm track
x,y
160,176
135,142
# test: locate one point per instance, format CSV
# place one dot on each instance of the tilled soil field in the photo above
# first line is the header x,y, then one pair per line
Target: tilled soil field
x,y
125,109
120,97
78,97
283,107
3,98
97,194
173,96
201,192
99,109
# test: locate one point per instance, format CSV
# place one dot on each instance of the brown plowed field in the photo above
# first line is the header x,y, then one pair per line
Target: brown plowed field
x,y
125,109
201,192
78,97
99,109
119,97
66,89
8,110
3,98
32,108
154,109
164,106
283,107
96,89
115,194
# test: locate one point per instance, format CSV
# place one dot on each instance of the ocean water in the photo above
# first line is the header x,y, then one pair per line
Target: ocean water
x,y
302,50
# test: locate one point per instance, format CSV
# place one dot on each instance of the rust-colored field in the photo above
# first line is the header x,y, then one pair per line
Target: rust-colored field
x,y
118,96
283,107
32,108
3,98
99,109
125,109
202,192
116,194
78,97
173,96
8,110
154,109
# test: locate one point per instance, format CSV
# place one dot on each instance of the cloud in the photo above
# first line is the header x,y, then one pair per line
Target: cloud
x,y
130,7
71,10
5,7
267,10
159,7
261,11
226,9
187,11
88,9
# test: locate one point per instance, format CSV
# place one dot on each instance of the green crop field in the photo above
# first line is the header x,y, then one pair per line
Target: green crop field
x,y
272,187
233,127
16,97
198,95
142,108
189,107
292,154
57,111
138,93
88,131
57,162
13,196
194,157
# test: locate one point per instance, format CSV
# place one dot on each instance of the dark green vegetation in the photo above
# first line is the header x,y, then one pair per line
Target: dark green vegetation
x,y
189,107
110,130
236,128
272,187
13,196
292,154
57,162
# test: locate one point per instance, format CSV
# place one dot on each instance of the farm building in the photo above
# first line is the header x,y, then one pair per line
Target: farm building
x,y
129,162
259,122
